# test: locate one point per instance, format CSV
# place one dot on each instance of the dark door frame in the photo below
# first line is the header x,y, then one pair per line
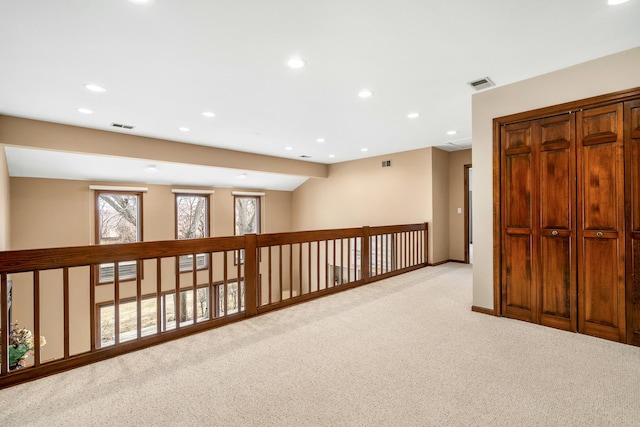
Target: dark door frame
x,y
466,213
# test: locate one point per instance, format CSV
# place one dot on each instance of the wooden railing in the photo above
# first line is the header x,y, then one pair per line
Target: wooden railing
x,y
58,293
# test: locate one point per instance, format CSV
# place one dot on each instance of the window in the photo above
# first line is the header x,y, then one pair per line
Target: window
x,y
192,222
118,220
247,218
247,215
128,316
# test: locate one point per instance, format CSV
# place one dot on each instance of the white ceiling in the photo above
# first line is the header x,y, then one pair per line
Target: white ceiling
x,y
165,63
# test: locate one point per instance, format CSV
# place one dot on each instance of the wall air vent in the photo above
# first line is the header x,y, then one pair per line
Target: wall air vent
x,y
482,83
386,163
121,126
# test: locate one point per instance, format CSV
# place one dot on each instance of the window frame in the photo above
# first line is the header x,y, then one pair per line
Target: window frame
x,y
207,199
139,232
258,212
239,255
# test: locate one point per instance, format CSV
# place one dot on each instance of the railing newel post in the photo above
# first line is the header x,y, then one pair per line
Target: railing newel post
x,y
426,244
4,326
364,259
250,274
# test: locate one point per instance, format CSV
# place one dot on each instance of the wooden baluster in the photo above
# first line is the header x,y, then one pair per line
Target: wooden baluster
x,y
309,246
92,306
334,262
375,253
194,285
349,260
326,263
290,270
4,324
65,290
258,277
390,255
139,298
160,316
318,265
299,269
406,250
225,283
239,279
36,317
270,287
178,295
116,302
210,289
280,271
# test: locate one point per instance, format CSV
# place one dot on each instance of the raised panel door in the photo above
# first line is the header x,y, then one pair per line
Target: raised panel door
x,y
557,222
600,178
520,298
632,187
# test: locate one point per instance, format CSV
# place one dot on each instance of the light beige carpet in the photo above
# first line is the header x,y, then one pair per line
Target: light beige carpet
x,y
404,351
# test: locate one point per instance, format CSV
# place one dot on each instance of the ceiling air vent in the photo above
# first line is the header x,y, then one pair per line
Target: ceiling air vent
x,y
304,156
482,83
121,126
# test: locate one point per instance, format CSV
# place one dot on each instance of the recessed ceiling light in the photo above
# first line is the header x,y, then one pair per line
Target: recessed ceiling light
x,y
242,176
152,168
84,111
452,132
364,149
616,2
413,115
365,93
288,148
296,62
332,155
95,88
320,140
141,1
209,114
184,129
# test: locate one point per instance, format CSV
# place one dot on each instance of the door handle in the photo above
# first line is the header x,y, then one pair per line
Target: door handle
x,y
599,234
554,233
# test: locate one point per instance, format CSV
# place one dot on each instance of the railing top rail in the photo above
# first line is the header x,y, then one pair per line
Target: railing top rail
x,y
17,261
274,239
75,256
386,229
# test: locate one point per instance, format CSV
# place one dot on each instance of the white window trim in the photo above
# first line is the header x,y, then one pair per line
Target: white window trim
x,y
190,191
247,193
116,188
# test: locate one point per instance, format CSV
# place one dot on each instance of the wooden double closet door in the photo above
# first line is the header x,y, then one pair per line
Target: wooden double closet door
x,y
570,221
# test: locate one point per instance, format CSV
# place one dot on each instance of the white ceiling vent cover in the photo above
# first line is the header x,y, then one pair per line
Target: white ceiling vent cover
x,y
482,83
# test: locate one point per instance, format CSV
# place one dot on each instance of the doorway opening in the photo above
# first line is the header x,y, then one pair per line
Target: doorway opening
x,y
468,222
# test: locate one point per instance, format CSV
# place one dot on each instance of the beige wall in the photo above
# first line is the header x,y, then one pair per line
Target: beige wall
x,y
55,213
53,136
414,189
440,205
601,76
5,218
361,192
457,161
